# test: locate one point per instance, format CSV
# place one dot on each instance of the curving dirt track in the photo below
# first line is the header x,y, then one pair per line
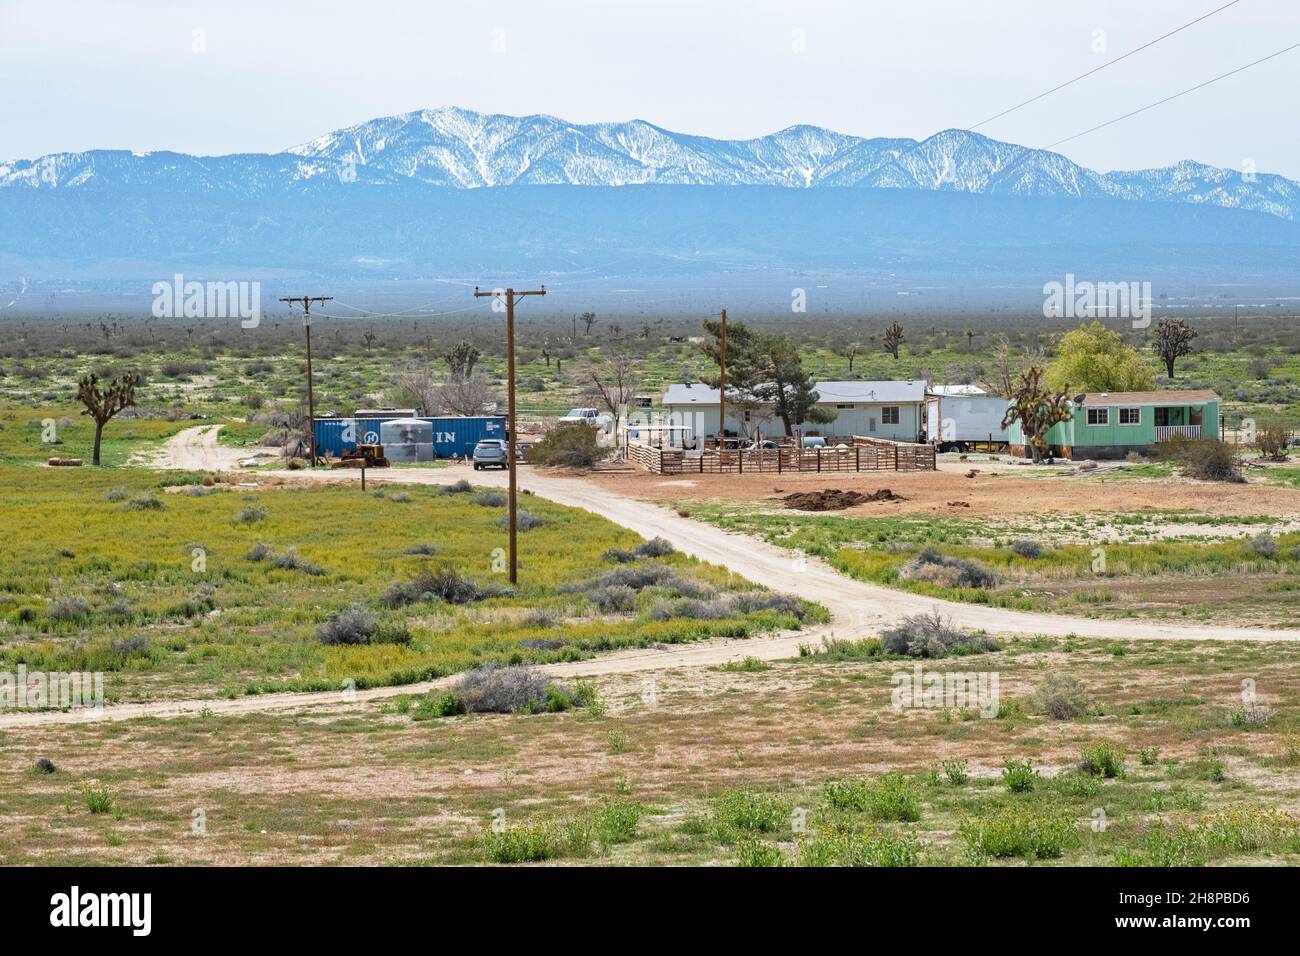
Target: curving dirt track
x,y
857,608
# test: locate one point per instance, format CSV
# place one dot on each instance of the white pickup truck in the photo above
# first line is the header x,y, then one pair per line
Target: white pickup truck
x,y
589,416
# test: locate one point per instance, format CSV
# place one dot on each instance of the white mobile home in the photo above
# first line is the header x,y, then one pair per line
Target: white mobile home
x,y
894,410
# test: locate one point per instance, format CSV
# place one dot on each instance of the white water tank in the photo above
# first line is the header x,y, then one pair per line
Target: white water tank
x,y
407,439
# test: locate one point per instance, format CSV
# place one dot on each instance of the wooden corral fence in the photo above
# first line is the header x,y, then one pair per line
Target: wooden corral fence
x,y
865,454
907,456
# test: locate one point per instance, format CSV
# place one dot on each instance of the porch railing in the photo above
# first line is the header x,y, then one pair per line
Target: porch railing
x,y
1166,432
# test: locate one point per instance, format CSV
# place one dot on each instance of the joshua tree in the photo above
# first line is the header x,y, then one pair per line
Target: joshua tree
x,y
103,403
893,339
461,360
851,352
1036,408
1173,340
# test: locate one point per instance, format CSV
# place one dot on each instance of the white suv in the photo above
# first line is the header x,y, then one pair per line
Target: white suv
x,y
589,416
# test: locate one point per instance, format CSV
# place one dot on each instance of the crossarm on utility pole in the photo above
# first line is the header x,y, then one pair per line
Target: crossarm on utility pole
x,y
305,301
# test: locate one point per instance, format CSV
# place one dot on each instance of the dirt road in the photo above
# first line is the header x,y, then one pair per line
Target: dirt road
x,y
196,449
858,609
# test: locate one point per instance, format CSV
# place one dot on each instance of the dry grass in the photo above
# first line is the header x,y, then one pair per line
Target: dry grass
x,y
367,784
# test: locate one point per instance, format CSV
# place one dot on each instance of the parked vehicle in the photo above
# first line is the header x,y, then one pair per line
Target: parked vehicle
x,y
589,416
491,453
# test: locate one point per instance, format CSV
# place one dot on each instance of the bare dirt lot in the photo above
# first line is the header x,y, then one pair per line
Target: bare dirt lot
x,y
989,493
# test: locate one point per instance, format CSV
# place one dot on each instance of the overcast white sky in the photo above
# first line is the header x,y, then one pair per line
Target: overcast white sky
x,y
80,74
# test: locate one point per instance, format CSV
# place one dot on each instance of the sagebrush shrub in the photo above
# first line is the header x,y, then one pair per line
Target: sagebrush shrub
x,y
437,584
492,688
73,608
750,602
613,599
1027,549
524,521
1206,458
1061,697
932,635
567,446
934,567
145,503
353,625
251,514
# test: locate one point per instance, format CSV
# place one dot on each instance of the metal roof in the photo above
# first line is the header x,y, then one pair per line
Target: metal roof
x,y
871,392
957,390
1170,397
843,393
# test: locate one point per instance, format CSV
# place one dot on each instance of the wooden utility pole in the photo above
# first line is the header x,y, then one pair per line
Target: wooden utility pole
x,y
510,296
722,390
306,301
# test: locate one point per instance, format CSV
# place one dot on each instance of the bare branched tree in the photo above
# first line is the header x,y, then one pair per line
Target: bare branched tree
x,y
612,382
465,396
418,387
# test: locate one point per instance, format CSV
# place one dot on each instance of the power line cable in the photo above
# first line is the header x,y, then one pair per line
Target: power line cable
x,y
1097,69
1190,89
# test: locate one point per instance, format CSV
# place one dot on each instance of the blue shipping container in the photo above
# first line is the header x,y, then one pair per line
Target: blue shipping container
x,y
451,436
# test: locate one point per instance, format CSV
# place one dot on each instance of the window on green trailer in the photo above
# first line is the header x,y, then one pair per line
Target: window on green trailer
x,y
1099,416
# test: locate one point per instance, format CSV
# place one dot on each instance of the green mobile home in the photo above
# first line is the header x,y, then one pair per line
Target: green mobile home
x,y
1112,424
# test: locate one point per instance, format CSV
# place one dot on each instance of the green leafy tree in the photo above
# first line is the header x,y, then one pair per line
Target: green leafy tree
x,y
1094,359
789,388
102,403
766,370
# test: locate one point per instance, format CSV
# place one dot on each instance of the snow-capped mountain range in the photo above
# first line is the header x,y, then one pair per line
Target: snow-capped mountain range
x,y
458,148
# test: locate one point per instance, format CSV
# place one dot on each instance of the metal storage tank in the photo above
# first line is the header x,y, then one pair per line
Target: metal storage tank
x,y
407,439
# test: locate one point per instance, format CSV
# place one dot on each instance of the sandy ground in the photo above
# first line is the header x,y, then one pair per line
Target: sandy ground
x,y
995,491
196,449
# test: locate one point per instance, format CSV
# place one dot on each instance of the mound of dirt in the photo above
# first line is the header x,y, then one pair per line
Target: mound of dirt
x,y
834,499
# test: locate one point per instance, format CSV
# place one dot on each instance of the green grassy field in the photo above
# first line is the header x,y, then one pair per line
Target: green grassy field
x,y
153,577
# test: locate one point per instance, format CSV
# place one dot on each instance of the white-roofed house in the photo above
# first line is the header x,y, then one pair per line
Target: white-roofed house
x,y
893,410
